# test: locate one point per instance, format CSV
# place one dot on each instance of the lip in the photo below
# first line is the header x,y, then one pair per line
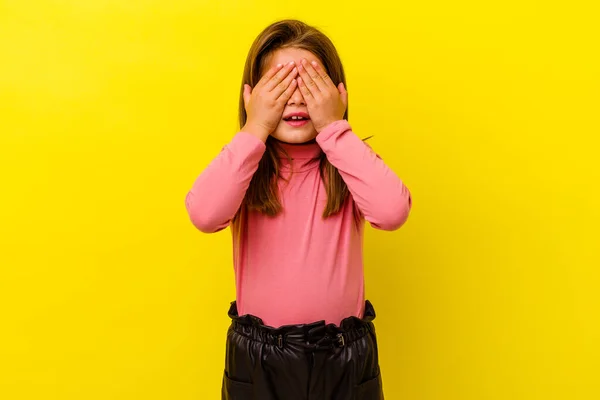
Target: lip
x,y
296,123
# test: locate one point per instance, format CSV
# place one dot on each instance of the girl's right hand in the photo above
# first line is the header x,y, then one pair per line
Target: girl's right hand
x,y
265,102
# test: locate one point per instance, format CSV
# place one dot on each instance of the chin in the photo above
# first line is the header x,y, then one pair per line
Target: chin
x,y
295,135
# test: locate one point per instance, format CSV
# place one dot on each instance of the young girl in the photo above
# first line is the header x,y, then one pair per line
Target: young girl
x,y
295,186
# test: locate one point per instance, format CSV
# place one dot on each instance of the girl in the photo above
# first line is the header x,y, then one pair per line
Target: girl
x,y
295,186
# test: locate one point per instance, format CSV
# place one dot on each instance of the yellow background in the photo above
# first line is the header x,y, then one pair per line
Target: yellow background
x,y
488,112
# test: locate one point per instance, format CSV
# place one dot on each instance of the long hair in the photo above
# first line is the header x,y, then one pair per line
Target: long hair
x,y
262,194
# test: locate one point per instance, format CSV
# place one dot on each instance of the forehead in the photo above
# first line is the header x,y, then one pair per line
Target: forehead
x,y
283,56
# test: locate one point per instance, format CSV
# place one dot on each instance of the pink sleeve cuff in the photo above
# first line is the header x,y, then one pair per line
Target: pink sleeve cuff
x,y
332,130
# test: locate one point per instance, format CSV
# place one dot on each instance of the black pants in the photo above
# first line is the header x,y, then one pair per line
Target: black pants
x,y
302,362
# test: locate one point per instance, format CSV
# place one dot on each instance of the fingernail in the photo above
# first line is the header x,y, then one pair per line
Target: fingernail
x,y
295,70
314,63
279,65
304,61
291,63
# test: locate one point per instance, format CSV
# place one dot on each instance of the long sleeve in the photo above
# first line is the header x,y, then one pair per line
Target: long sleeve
x,y
219,191
379,194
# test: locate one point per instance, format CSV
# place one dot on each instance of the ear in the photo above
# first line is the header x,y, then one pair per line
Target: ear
x,y
247,93
343,93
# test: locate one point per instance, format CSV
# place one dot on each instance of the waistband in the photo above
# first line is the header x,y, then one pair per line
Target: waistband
x,y
313,336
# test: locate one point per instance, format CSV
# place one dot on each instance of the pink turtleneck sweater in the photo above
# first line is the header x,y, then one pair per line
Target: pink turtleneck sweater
x,y
296,267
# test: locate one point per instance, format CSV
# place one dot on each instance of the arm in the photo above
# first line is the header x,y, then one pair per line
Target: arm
x,y
218,192
378,193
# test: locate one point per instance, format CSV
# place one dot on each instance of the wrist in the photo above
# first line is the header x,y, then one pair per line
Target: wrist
x,y
322,126
256,130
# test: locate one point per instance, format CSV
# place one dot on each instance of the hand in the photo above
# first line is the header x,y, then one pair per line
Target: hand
x,y
326,103
265,102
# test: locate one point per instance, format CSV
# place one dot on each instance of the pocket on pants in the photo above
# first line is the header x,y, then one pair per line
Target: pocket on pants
x,y
370,390
235,390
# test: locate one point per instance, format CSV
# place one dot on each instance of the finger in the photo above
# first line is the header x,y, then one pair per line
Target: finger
x,y
316,78
304,89
324,81
287,93
247,93
283,86
307,79
279,76
269,75
343,93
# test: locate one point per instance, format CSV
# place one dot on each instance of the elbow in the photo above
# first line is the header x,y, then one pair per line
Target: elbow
x,y
394,215
205,225
200,218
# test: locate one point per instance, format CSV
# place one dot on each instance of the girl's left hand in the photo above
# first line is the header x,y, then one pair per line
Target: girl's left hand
x,y
326,103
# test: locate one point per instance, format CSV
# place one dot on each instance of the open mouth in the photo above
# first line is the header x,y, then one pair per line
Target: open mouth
x,y
296,120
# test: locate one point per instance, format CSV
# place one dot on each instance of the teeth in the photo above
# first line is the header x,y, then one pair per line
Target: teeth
x,y
296,117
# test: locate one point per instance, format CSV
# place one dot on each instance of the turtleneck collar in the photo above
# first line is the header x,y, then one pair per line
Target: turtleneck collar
x,y
304,156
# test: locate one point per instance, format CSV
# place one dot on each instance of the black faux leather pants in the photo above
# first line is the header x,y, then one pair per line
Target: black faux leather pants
x,y
302,362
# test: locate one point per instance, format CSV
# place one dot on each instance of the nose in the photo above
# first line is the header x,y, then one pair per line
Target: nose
x,y
297,99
